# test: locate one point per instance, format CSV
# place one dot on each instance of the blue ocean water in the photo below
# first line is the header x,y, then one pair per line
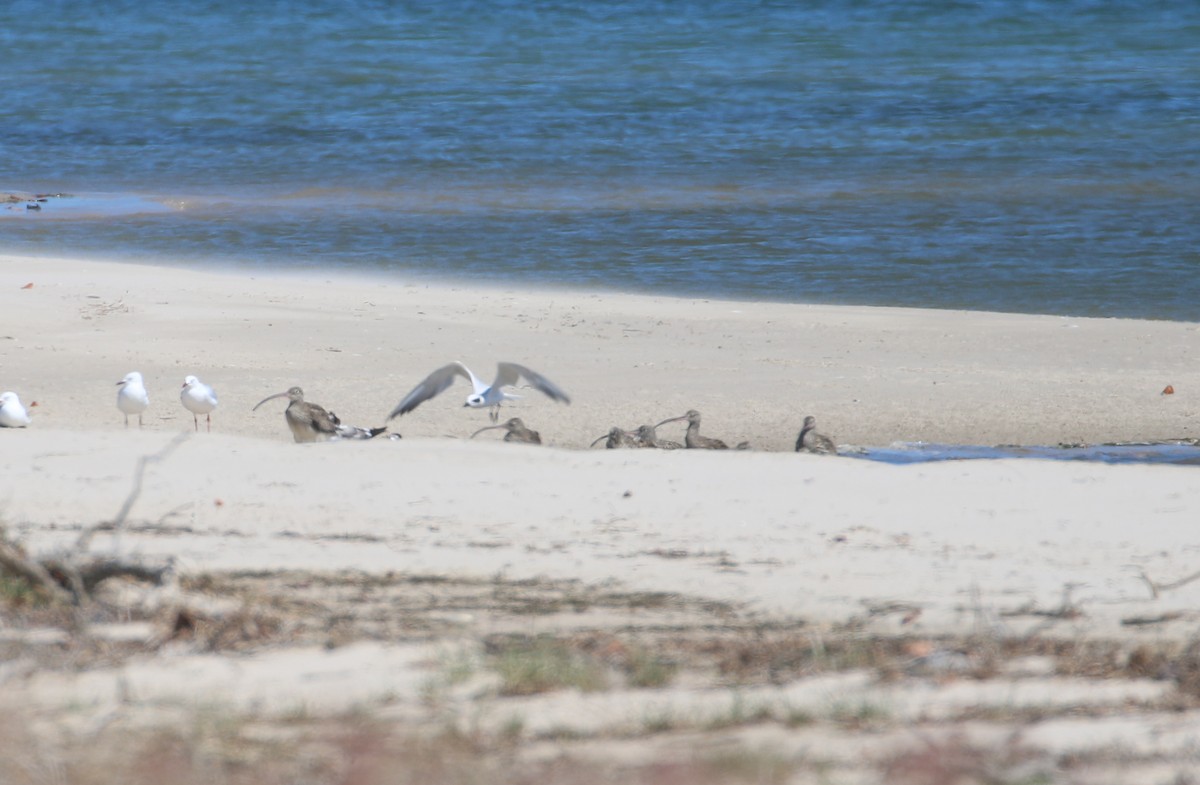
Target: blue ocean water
x,y
1178,453
990,154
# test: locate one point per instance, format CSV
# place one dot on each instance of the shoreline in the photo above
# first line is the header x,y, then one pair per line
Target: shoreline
x,y
142,204
872,376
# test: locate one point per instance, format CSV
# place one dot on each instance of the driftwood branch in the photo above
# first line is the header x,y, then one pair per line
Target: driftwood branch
x,y
1156,589
1162,618
17,564
71,577
87,575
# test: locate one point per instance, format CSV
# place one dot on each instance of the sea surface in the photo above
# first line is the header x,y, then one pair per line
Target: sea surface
x,y
1178,453
1036,157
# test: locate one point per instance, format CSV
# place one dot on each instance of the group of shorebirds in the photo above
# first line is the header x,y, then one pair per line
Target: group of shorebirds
x,y
309,422
646,436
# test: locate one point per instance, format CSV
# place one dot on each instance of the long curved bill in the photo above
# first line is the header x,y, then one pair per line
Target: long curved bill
x,y
269,398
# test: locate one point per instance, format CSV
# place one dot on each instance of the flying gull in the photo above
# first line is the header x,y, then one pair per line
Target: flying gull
x,y
483,395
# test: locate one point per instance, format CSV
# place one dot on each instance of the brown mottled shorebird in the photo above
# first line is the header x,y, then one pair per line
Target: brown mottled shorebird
x,y
312,423
517,432
811,441
649,438
617,438
692,439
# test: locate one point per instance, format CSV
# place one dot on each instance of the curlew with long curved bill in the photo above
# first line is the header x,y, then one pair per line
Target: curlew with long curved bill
x,y
692,439
12,413
309,422
132,397
198,398
517,432
617,438
649,438
483,395
811,441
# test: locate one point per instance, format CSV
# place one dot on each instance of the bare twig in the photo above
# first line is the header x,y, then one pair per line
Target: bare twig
x,y
1067,609
1162,618
1156,589
139,474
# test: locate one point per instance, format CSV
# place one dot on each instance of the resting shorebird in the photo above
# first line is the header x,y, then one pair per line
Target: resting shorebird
x,y
507,375
811,441
649,438
692,439
312,423
12,413
198,398
517,432
617,438
132,397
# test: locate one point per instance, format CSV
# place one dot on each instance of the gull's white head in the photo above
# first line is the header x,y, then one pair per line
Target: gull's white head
x,y
189,381
130,378
476,400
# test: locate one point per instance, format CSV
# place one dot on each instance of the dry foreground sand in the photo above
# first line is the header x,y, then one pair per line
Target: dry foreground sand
x,y
437,609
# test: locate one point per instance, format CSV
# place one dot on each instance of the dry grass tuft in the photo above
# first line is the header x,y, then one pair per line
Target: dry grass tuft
x,y
541,664
349,751
955,761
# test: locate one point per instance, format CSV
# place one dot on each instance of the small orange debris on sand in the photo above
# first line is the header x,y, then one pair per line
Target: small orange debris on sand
x,y
28,285
1168,390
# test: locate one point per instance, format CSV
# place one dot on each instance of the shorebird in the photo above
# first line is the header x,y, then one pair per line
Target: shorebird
x,y
811,441
132,397
692,439
507,375
517,432
12,413
649,438
617,438
198,398
312,423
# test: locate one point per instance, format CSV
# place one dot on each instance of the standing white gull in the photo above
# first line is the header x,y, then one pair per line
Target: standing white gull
x,y
132,397
198,398
12,413
484,396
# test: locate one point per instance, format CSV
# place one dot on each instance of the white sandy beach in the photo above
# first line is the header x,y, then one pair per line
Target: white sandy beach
x,y
775,534
356,345
871,375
